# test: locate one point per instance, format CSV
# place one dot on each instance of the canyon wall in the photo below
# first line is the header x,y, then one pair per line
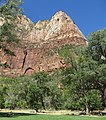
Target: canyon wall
x,y
36,50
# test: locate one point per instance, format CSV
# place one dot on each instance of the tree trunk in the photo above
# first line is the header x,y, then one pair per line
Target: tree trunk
x,y
43,105
87,107
103,96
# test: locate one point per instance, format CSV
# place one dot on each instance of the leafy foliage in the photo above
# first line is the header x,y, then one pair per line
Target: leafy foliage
x,y
9,9
97,46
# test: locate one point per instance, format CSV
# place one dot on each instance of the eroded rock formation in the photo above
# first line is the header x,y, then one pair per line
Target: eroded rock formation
x,y
38,42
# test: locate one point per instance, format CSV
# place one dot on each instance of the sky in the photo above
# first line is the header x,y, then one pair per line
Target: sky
x,y
89,15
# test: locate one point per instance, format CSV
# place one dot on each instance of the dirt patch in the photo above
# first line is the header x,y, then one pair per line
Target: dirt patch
x,y
18,111
48,112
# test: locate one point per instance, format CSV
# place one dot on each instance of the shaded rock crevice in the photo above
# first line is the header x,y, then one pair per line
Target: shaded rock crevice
x,y
24,60
28,69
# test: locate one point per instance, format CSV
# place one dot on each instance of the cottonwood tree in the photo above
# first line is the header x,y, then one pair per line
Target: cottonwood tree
x,y
80,78
97,50
38,90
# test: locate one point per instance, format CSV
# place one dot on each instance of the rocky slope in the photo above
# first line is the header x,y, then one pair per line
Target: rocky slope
x,y
38,43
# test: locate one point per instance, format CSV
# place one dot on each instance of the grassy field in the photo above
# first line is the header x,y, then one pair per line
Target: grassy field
x,y
50,117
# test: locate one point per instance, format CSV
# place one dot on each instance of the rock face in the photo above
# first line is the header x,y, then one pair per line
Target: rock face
x,y
38,43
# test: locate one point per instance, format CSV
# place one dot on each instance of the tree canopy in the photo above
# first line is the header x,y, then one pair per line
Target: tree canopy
x,y
9,10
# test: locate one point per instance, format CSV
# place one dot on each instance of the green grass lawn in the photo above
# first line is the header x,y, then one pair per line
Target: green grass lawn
x,y
51,117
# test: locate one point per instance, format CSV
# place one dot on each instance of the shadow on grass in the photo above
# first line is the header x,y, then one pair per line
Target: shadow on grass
x,y
10,114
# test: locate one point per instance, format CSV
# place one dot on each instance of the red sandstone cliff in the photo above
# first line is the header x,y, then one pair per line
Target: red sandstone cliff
x,y
37,40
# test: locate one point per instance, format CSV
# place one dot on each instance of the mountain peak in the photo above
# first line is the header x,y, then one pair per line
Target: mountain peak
x,y
61,16
62,26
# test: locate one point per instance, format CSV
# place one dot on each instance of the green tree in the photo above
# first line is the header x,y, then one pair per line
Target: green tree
x,y
8,92
8,12
80,78
38,90
3,88
56,91
97,50
10,8
97,45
